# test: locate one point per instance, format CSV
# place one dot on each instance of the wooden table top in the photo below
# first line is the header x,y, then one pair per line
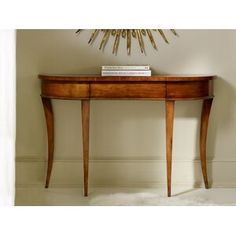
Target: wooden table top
x,y
99,78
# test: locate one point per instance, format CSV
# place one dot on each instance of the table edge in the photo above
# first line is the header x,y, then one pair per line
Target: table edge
x,y
98,78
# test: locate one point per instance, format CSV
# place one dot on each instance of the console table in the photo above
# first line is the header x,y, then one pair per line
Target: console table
x,y
157,87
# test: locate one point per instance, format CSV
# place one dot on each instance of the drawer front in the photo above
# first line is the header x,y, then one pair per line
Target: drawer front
x,y
65,90
191,90
128,90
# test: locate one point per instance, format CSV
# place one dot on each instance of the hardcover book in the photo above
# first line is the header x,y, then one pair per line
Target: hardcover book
x,y
126,67
126,73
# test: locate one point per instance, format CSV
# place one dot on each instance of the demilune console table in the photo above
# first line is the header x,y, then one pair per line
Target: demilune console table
x,y
157,87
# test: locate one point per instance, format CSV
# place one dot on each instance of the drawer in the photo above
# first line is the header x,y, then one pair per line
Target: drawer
x,y
128,90
65,90
191,89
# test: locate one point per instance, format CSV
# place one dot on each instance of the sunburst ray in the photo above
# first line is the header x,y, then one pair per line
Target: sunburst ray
x,y
127,34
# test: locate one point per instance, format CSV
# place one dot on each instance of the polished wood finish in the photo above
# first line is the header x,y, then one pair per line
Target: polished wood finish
x,y
97,78
47,105
170,105
65,90
191,89
128,90
158,87
206,108
85,110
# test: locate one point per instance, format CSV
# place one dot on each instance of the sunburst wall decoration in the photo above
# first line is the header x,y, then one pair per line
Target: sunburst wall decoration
x,y
127,34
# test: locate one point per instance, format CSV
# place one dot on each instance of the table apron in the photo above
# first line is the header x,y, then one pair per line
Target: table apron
x,y
140,90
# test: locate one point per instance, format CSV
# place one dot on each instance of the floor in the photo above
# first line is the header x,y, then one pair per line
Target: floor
x,y
74,196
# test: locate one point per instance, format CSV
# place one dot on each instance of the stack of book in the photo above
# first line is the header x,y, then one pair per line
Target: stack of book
x,y
128,70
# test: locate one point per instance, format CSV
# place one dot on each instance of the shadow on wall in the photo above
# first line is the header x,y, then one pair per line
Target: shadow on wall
x,y
116,130
220,121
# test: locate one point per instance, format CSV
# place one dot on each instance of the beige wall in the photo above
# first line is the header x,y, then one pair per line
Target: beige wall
x,y
127,137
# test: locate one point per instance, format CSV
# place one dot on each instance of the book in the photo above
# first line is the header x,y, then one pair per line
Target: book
x,y
127,67
126,73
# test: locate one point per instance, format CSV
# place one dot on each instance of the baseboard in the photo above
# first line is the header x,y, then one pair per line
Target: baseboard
x,y
67,173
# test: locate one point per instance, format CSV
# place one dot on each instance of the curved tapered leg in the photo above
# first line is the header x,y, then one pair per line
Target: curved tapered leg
x,y
206,108
47,105
169,137
85,107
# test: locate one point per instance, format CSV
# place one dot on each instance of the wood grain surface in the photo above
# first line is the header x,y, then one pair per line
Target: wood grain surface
x,y
158,87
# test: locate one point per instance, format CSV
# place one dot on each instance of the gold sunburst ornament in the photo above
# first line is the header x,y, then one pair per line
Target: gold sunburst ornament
x,y
127,34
